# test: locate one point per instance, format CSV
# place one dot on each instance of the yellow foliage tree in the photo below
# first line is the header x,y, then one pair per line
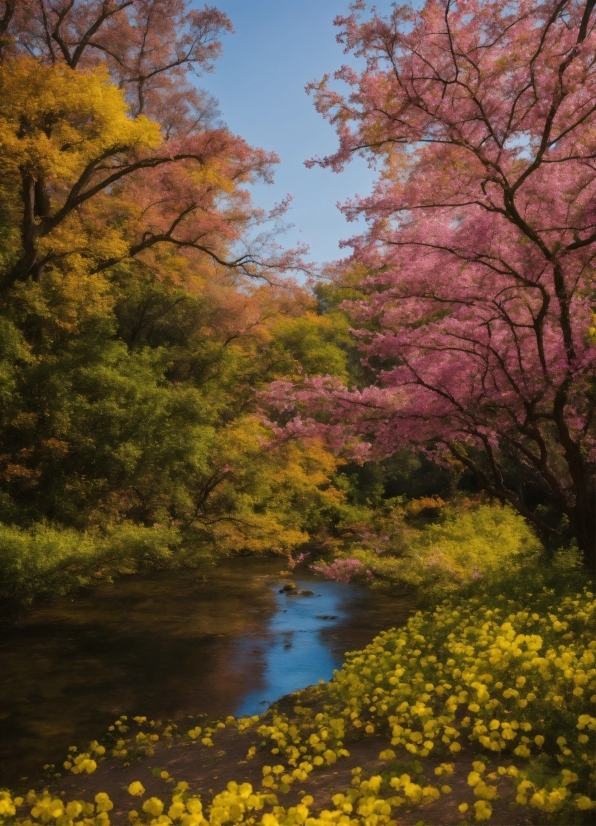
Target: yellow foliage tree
x,y
259,497
65,138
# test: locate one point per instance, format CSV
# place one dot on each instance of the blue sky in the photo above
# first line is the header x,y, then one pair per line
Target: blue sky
x,y
279,46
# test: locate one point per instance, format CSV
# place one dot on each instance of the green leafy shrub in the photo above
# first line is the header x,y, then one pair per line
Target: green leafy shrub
x,y
45,561
465,544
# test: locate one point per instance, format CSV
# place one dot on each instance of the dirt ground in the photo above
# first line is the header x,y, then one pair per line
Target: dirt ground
x,y
207,770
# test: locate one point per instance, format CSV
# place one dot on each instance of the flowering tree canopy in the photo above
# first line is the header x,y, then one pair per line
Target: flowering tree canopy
x,y
180,190
481,115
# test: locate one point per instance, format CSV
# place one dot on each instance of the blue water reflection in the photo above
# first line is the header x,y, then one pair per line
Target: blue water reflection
x,y
172,644
293,651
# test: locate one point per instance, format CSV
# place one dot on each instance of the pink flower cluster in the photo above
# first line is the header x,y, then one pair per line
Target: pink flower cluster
x,y
341,570
300,558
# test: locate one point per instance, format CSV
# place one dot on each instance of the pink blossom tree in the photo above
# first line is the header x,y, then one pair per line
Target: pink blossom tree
x,y
481,117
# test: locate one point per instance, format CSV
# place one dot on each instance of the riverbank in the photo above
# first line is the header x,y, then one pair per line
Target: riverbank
x,y
208,770
479,710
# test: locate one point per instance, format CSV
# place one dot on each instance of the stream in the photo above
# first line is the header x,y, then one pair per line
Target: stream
x,y
168,645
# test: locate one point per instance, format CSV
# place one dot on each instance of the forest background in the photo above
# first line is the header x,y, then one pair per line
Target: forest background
x,y
149,316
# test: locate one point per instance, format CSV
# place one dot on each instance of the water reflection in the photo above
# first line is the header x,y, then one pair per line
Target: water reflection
x,y
292,652
167,646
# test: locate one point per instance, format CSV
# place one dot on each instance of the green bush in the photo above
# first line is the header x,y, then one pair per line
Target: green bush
x,y
45,561
485,542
